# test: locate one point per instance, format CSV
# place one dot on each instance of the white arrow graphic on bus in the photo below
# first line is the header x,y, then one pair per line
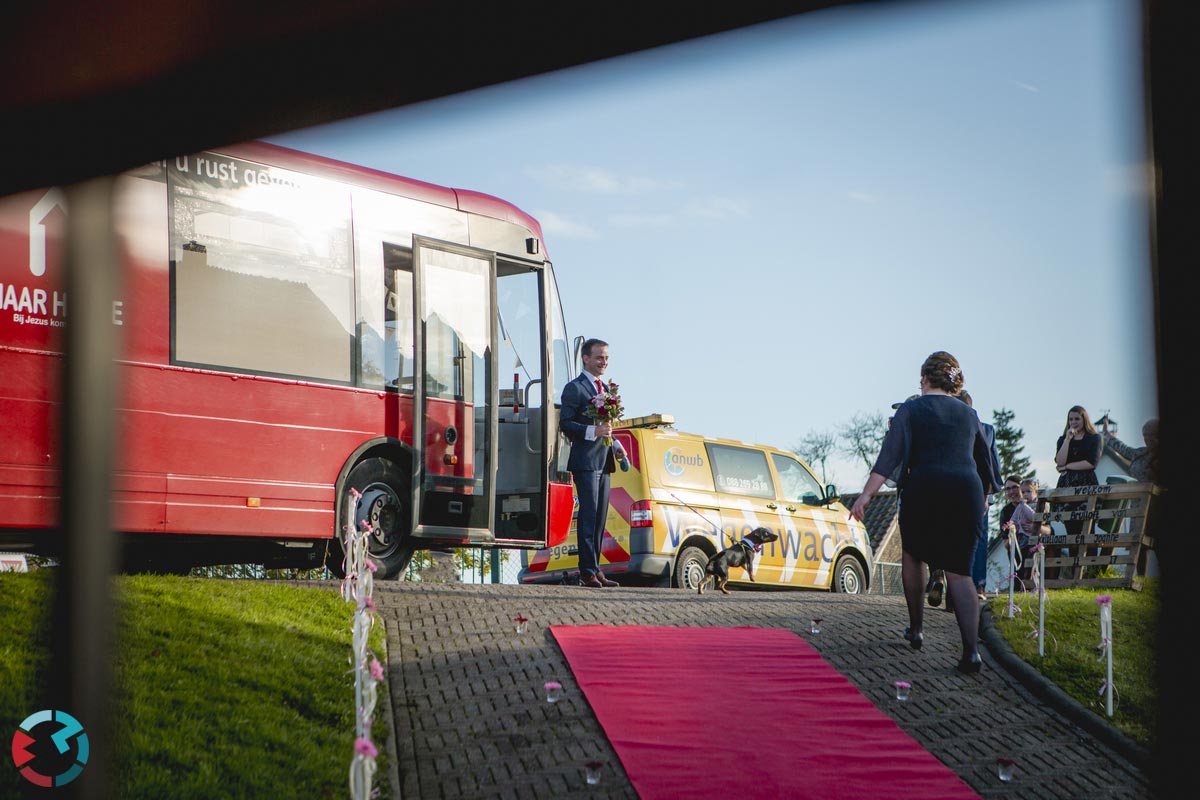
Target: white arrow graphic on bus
x,y
37,228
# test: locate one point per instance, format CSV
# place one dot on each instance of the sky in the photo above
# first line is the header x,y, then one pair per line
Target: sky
x,y
773,227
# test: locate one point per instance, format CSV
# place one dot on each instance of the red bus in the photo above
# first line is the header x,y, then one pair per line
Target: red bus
x,y
295,328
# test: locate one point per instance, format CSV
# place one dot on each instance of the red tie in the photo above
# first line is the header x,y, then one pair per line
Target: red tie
x,y
599,387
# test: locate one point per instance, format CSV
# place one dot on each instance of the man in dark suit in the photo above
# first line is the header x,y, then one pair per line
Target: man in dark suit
x,y
591,461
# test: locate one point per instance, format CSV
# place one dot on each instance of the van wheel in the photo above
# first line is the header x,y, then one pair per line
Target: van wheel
x,y
689,568
384,488
848,577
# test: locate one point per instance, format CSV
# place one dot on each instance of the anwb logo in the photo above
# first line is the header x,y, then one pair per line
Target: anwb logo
x,y
674,461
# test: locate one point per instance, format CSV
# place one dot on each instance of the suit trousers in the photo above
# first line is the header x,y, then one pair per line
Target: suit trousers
x,y
592,488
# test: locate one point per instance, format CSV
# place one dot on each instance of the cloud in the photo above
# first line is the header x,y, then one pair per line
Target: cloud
x,y
714,207
863,197
596,179
1027,87
642,220
556,226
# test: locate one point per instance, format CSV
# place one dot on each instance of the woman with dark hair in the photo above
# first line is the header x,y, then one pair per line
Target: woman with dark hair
x,y
937,447
1078,454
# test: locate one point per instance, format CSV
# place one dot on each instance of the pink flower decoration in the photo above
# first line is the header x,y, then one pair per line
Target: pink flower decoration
x,y
370,565
366,525
1037,548
355,493
370,604
376,669
365,748
1104,599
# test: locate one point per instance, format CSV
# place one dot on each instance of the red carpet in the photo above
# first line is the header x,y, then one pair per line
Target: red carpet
x,y
743,712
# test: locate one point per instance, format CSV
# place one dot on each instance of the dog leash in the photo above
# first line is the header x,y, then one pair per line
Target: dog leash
x,y
706,519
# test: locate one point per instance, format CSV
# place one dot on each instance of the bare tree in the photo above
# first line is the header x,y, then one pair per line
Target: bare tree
x,y
863,436
816,447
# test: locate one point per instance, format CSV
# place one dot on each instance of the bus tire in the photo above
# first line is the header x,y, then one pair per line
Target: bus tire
x,y
385,503
848,576
689,568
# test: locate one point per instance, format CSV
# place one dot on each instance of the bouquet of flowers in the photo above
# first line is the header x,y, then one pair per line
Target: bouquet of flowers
x,y
606,407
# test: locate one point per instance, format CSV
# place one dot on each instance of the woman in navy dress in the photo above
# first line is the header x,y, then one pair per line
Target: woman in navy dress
x,y
937,444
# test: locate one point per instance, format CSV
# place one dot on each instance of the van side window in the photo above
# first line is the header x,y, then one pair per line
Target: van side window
x,y
797,483
740,470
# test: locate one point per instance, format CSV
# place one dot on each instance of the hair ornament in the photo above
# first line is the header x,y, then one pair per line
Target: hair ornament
x,y
952,373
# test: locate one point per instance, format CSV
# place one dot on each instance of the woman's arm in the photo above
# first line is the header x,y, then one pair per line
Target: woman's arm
x,y
1060,458
1091,447
874,481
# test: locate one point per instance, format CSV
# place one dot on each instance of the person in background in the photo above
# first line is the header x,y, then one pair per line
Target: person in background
x,y
1078,454
979,565
944,474
1143,461
1026,528
1012,493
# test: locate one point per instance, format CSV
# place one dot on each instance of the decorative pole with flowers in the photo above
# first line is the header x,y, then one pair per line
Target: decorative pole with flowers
x,y
1105,602
358,587
1012,569
1039,567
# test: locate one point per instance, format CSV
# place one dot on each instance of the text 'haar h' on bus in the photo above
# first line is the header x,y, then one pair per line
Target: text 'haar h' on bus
x,y
687,497
297,329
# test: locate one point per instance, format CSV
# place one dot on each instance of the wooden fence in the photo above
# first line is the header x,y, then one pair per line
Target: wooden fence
x,y
1106,526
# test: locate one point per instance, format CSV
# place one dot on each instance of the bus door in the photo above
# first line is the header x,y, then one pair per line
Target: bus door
x,y
527,421
455,392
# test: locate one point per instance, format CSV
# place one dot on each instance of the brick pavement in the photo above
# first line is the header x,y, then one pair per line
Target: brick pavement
x,y
470,719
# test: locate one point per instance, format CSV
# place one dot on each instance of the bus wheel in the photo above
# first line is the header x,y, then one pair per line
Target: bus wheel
x,y
848,576
689,568
384,489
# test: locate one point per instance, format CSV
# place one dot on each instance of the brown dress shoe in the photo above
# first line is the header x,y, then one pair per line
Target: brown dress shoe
x,y
592,582
605,581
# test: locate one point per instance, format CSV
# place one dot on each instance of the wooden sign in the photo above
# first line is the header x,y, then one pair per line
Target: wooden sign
x,y
1106,526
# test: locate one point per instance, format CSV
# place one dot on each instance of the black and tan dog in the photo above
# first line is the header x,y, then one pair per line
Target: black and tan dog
x,y
739,554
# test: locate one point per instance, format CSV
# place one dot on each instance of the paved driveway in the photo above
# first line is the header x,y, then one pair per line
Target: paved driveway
x,y
470,719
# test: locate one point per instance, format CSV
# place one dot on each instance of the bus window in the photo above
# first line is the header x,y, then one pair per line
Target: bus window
x,y
398,317
261,269
387,359
518,300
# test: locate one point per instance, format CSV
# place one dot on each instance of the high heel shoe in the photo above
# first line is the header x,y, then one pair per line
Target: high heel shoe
x,y
971,665
915,640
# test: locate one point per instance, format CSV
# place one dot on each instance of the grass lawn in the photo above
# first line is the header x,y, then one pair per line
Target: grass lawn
x,y
223,688
1072,660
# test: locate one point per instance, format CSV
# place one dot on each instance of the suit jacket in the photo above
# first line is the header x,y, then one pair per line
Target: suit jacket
x,y
990,477
586,456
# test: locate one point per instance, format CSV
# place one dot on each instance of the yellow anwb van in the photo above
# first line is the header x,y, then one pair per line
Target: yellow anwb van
x,y
686,497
